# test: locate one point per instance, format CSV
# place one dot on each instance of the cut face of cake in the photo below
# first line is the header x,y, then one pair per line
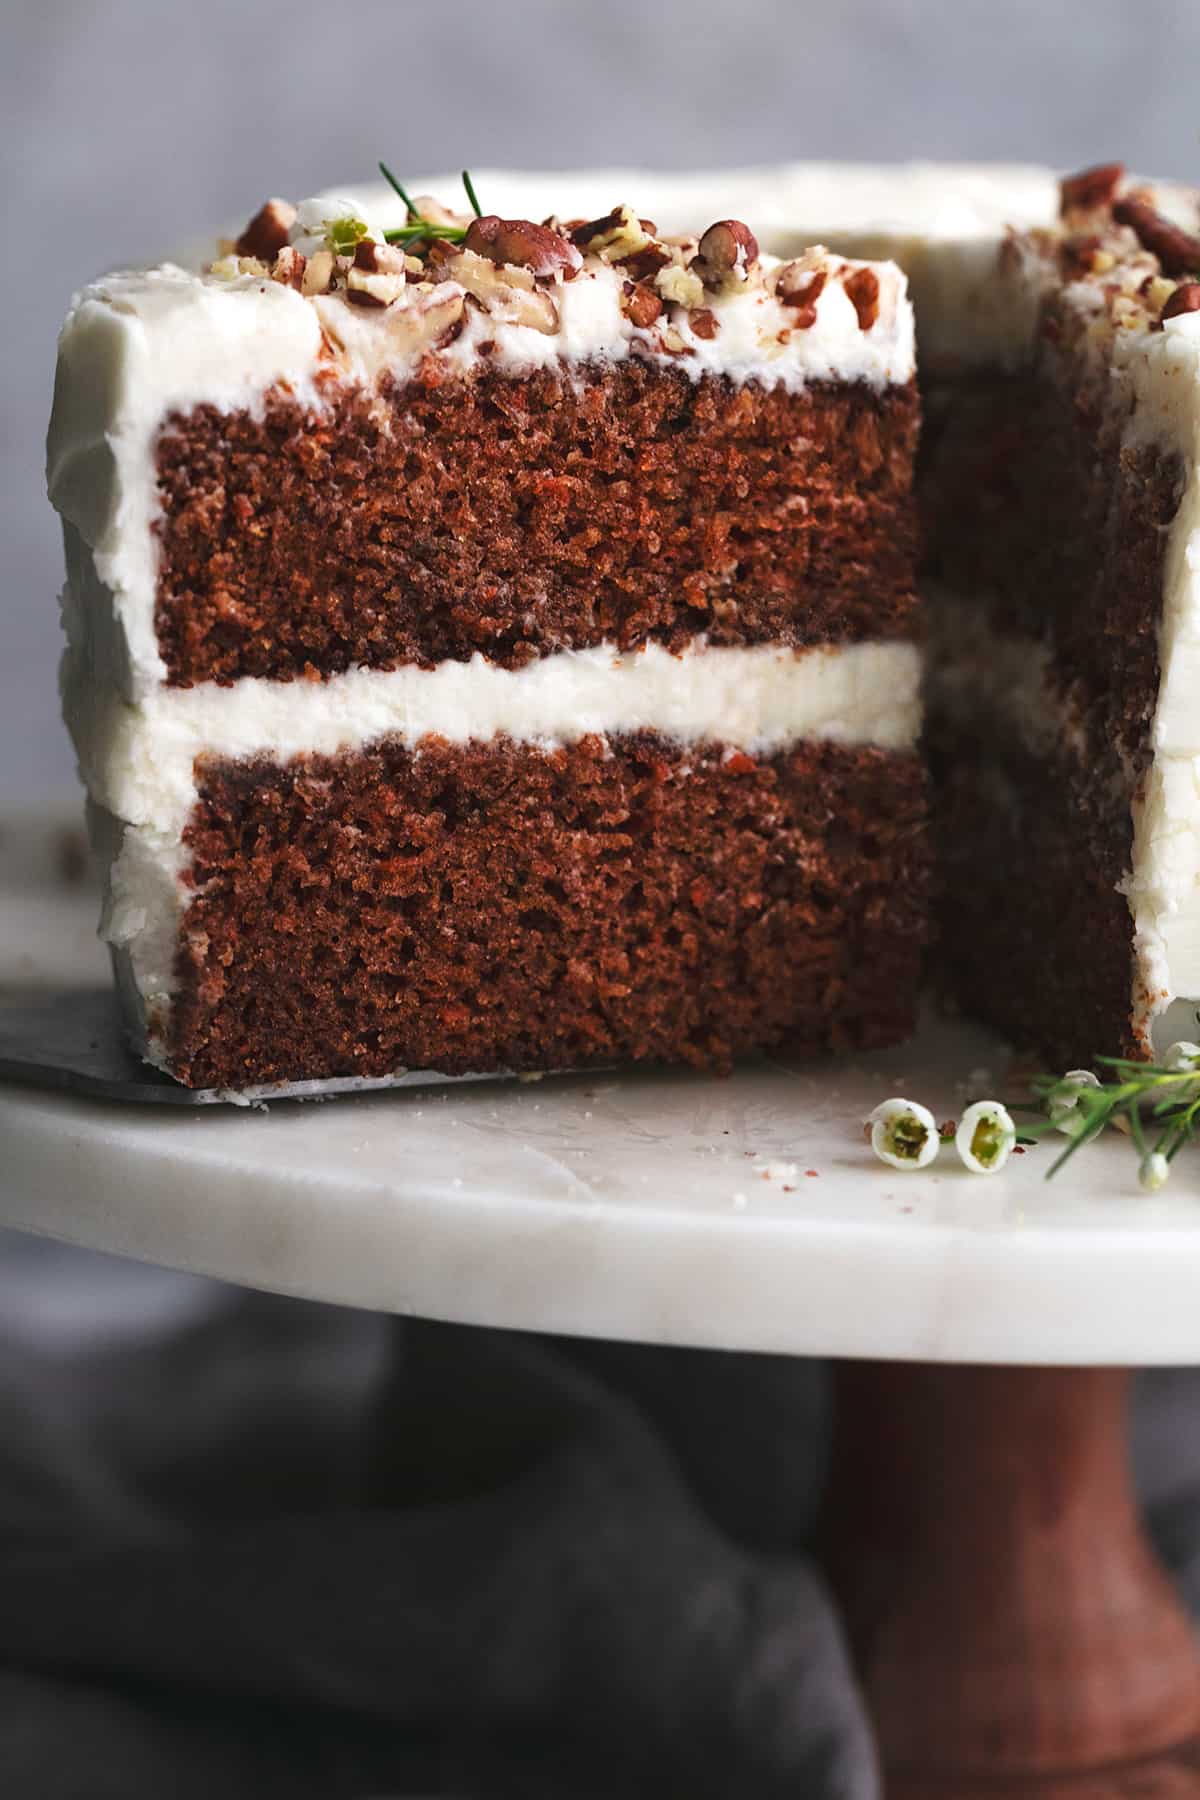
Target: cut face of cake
x,y
1064,685
493,645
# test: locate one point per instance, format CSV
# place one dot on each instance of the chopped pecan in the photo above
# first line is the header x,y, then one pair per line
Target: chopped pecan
x,y
424,324
508,293
1176,249
1156,292
679,285
645,263
268,231
230,267
862,287
522,244
1185,299
800,288
366,288
1090,188
318,273
703,322
289,267
1078,255
726,251
616,236
586,230
642,304
439,254
378,259
437,214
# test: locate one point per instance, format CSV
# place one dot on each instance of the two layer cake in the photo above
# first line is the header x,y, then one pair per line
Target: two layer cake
x,y
493,644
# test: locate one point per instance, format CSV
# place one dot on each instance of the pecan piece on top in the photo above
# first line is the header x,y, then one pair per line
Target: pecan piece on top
x,y
378,259
1090,188
644,264
727,250
679,285
642,305
1185,299
289,267
523,245
506,291
800,288
862,287
1078,255
704,322
318,273
268,231
1176,249
619,235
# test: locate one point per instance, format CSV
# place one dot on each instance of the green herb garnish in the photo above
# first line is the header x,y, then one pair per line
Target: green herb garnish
x,y
418,227
1158,1104
400,189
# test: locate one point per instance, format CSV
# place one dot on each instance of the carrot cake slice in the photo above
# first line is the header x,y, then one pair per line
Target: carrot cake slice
x,y
494,644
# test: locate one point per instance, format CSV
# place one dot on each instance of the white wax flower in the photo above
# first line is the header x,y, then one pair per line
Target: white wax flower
x,y
903,1134
330,222
985,1137
1181,1056
1063,1105
1154,1171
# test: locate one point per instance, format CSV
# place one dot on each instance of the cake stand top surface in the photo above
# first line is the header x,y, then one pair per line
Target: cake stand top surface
x,y
745,1213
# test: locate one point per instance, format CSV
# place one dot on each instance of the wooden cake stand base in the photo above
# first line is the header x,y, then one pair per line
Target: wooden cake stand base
x,y
1014,1632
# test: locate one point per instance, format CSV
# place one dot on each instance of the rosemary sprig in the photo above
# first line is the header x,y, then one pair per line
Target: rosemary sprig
x,y
1158,1104
418,227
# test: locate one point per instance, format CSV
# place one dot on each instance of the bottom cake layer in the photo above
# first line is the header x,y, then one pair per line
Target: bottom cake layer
x,y
485,906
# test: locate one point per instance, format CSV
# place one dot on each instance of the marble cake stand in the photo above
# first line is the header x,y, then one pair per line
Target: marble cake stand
x,y
1014,1633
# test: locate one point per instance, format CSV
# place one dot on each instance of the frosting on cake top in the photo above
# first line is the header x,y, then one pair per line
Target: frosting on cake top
x,y
522,293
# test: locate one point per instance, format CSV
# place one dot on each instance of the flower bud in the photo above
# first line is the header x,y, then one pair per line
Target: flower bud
x,y
985,1137
903,1134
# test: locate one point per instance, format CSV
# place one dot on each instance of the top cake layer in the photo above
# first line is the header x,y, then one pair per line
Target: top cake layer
x,y
181,395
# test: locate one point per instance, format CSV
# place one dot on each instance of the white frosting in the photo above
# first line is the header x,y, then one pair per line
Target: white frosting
x,y
138,761
1164,890
134,348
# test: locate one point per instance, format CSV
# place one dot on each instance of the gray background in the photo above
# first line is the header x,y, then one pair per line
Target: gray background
x,y
130,127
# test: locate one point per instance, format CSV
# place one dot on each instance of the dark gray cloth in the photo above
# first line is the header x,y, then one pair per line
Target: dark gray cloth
x,y
289,1550
259,1547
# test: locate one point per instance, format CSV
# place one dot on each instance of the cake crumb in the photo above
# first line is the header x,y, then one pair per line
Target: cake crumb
x,y
775,1171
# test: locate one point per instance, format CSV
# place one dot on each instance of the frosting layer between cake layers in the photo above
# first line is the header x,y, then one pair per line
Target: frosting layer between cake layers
x,y
143,764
